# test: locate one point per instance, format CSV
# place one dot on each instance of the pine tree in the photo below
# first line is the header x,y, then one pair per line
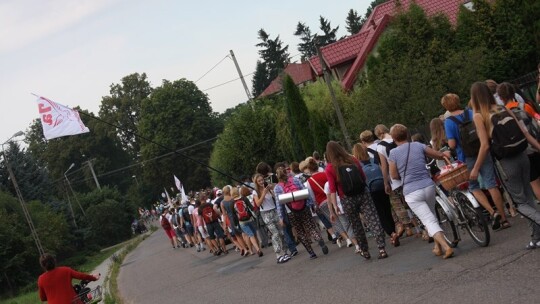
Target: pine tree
x,y
329,33
274,55
299,119
260,79
353,24
307,47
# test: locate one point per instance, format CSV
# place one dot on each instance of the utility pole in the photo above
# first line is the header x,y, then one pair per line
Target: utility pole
x,y
73,192
21,200
327,79
70,206
93,173
248,93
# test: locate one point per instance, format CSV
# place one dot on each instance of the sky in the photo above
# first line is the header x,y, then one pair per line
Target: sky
x,y
72,51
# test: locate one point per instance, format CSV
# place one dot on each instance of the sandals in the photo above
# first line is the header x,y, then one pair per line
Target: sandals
x,y
505,224
394,239
496,221
382,254
364,253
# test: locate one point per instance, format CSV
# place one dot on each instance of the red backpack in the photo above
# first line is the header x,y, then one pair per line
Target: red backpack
x,y
209,214
165,223
242,211
288,187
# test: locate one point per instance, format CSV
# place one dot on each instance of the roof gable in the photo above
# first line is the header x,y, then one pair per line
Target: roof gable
x,y
299,72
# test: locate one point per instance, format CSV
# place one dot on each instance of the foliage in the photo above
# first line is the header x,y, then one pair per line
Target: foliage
x,y
32,179
123,108
260,79
353,22
370,9
307,47
177,115
299,119
328,33
273,54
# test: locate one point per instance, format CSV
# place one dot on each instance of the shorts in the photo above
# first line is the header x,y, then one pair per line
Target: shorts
x,y
214,229
534,160
248,228
487,173
202,232
170,233
189,229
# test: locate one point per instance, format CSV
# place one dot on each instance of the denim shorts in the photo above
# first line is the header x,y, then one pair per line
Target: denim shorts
x,y
487,173
214,229
248,228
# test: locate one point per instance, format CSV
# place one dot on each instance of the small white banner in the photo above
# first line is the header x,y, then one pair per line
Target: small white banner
x,y
58,120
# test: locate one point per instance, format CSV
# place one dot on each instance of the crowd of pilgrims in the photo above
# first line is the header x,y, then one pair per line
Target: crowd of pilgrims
x,y
384,188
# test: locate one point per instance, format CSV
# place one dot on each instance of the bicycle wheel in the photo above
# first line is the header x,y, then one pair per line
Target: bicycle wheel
x,y
447,225
475,222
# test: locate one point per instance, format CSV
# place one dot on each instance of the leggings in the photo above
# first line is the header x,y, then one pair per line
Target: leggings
x,y
271,220
384,210
305,228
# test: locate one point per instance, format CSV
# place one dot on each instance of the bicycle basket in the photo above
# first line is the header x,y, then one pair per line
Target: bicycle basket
x,y
453,177
93,296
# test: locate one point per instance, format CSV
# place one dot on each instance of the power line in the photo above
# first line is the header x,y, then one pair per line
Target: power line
x,y
212,68
222,84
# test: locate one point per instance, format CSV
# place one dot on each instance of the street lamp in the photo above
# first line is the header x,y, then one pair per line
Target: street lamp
x,y
20,197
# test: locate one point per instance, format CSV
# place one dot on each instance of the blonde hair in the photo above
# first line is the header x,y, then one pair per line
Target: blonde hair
x,y
481,101
234,192
227,190
360,152
380,130
438,136
367,136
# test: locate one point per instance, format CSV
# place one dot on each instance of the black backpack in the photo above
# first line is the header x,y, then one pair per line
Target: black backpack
x,y
388,145
507,139
530,122
351,180
470,143
185,215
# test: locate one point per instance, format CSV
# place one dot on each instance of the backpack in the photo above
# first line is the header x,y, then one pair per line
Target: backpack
x,y
376,155
242,211
470,143
388,145
208,213
185,215
288,187
374,176
176,219
165,223
530,122
351,180
507,139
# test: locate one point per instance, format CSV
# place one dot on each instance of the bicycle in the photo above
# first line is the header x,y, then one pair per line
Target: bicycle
x,y
86,294
459,208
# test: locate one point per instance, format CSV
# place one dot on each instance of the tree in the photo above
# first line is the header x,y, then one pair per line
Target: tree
x,y
329,33
299,119
353,23
274,55
123,108
260,79
370,9
177,115
307,47
32,179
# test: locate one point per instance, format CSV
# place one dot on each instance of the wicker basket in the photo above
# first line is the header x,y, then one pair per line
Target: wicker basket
x,y
451,179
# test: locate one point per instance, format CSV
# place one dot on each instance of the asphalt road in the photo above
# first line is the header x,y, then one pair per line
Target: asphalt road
x,y
503,272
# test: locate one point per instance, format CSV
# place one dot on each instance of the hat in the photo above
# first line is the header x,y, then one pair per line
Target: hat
x,y
219,191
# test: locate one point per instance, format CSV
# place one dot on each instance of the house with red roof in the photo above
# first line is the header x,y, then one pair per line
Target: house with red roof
x,y
347,57
301,74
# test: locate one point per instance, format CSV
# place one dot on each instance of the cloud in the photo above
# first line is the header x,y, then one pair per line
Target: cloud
x,y
23,22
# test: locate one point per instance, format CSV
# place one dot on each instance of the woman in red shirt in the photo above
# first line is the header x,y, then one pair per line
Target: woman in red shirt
x,y
55,284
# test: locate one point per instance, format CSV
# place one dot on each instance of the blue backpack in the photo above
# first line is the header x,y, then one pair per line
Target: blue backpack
x,y
374,176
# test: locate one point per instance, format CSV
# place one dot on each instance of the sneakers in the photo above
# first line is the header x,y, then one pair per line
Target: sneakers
x,y
532,245
339,242
294,253
496,221
198,249
324,249
312,256
349,243
283,259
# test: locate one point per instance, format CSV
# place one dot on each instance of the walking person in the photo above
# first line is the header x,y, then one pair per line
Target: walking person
x,y
355,197
165,222
408,165
507,139
210,218
231,220
300,215
264,198
244,213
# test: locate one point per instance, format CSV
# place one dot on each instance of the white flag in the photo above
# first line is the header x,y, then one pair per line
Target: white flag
x,y
177,183
58,120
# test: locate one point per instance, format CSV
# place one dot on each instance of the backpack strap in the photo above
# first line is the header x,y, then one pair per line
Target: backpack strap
x,y
316,183
375,156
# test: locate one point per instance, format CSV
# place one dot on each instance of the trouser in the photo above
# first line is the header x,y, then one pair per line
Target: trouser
x,y
288,235
422,203
338,227
384,210
516,182
398,204
362,203
271,220
305,227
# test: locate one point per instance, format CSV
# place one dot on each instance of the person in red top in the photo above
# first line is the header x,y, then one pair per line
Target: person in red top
x,y
55,284
353,205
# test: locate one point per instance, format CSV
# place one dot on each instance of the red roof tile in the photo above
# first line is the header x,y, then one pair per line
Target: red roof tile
x,y
299,72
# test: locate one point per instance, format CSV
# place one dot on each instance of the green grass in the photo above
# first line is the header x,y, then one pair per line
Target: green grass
x,y
91,262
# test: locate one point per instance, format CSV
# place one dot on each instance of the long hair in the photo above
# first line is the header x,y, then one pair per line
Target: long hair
x,y
337,156
360,152
438,135
481,102
257,187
